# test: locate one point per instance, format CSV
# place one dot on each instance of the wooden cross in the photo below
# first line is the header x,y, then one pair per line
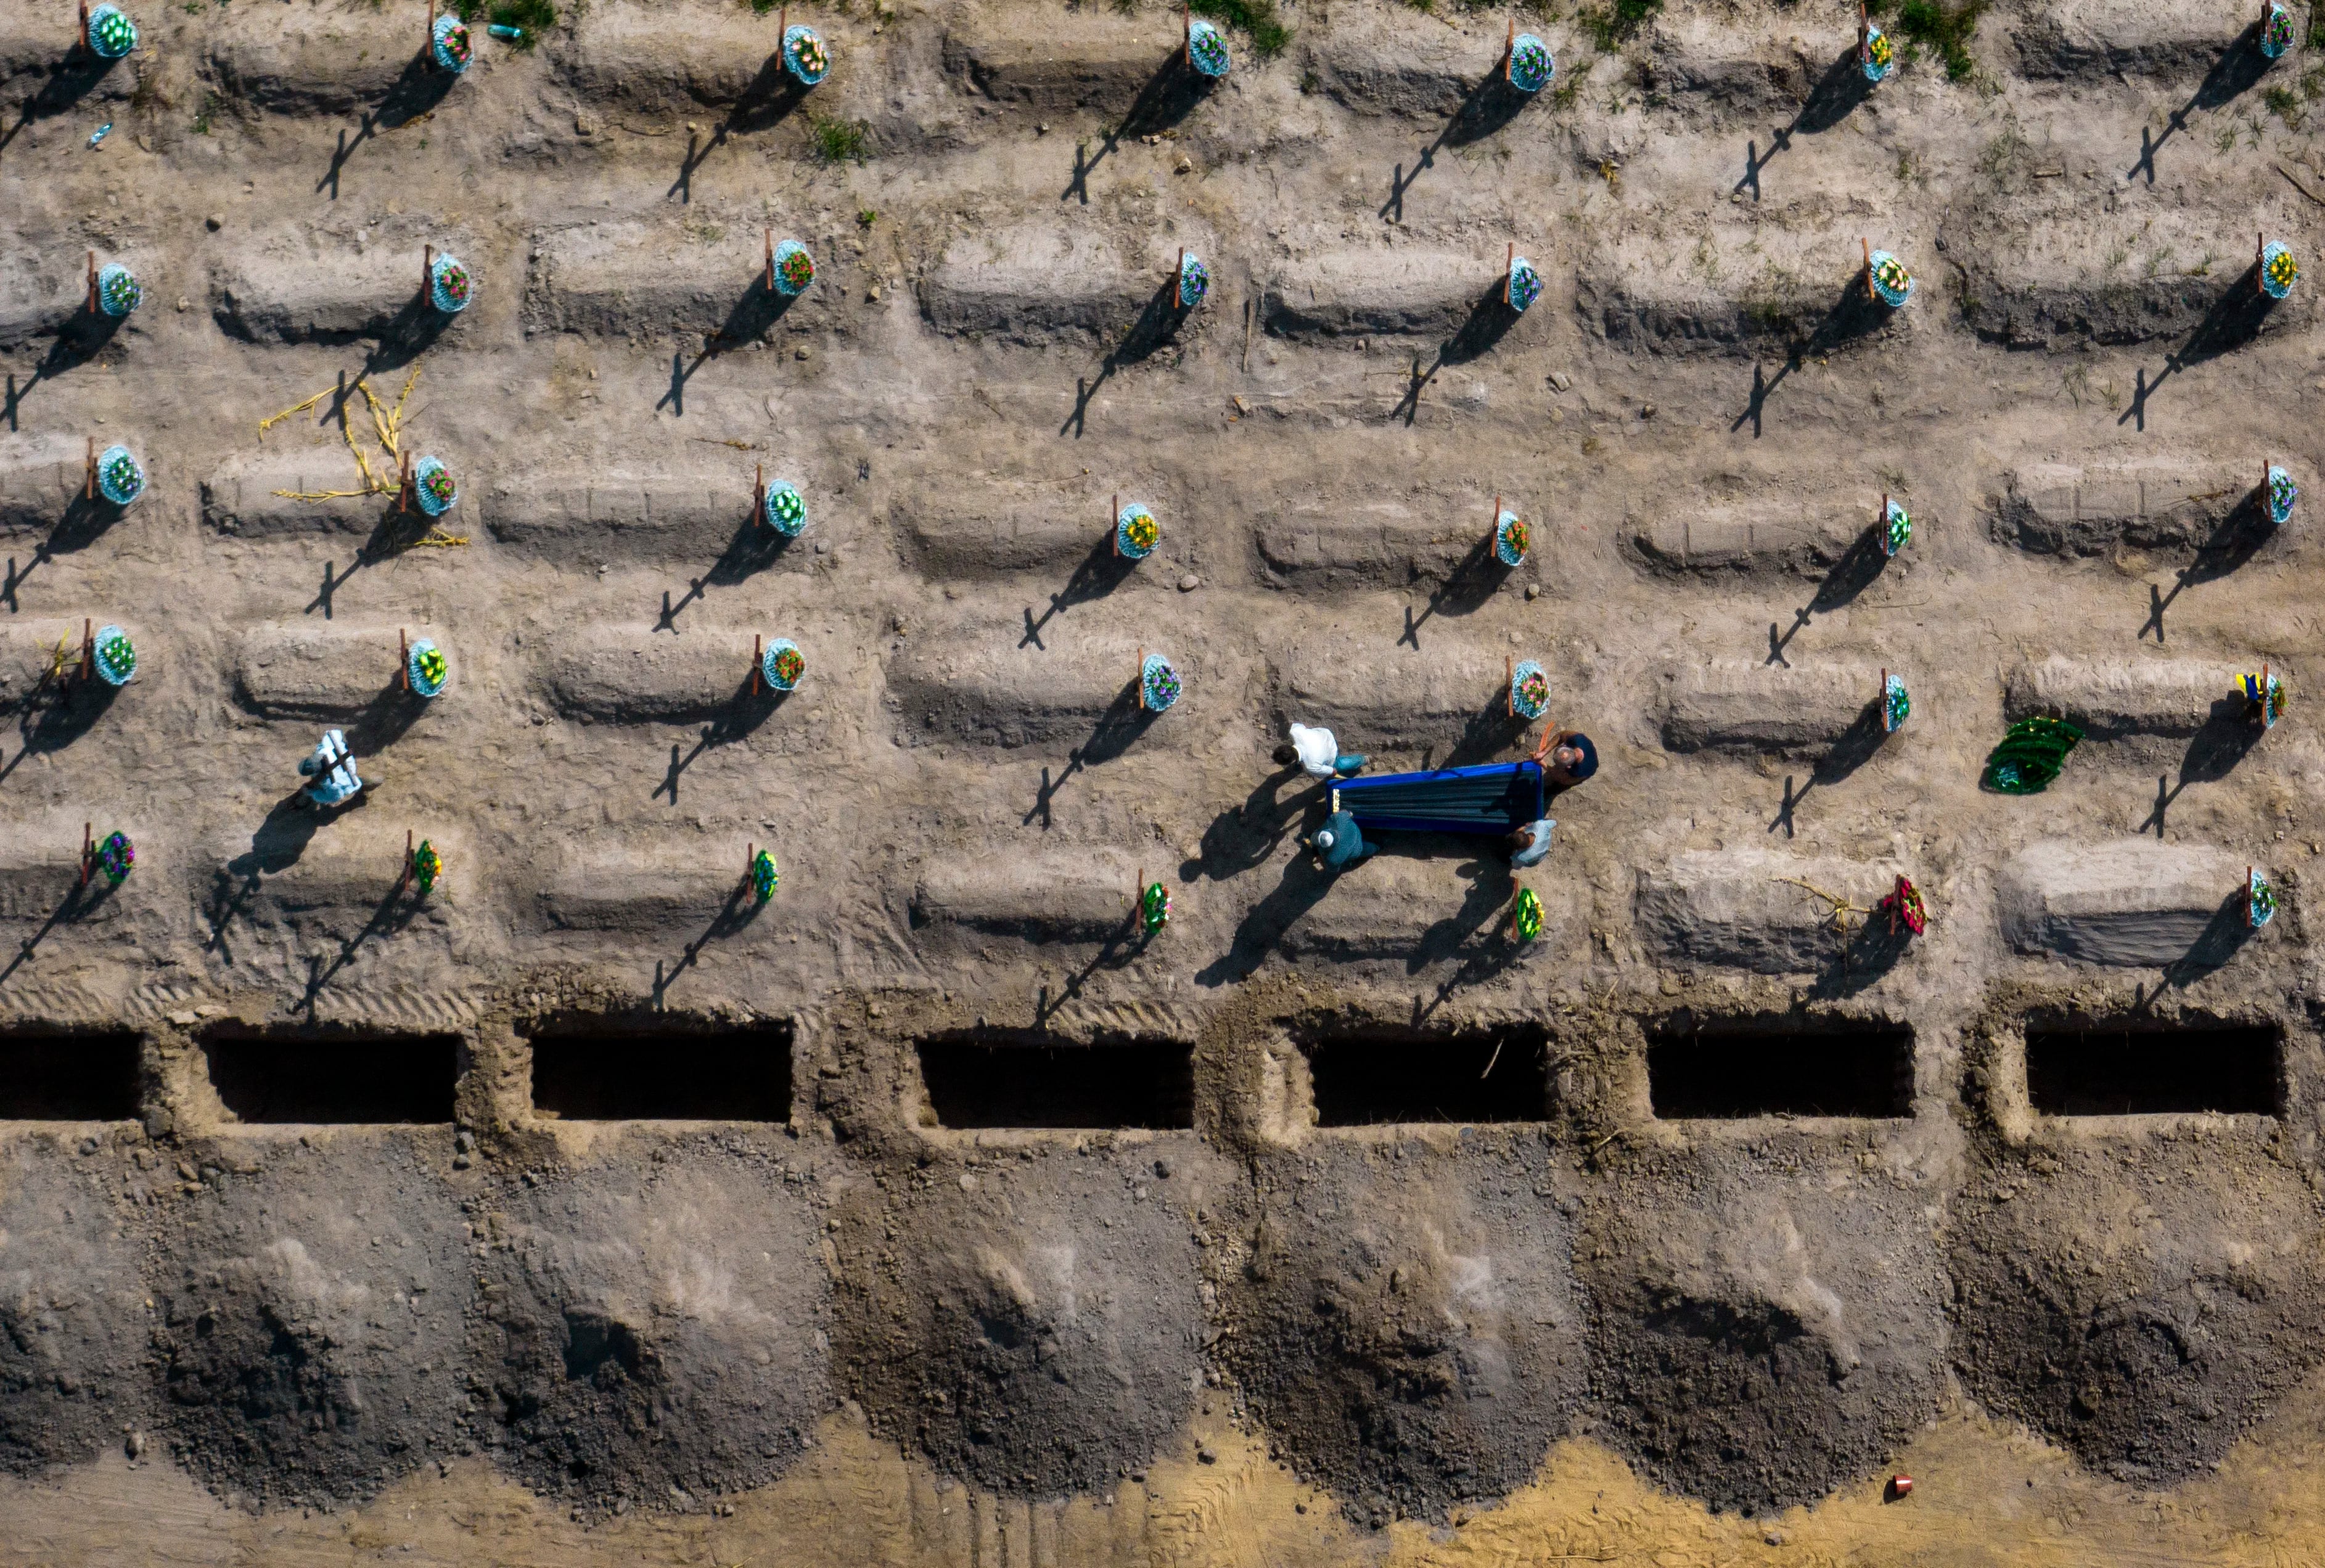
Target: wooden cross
x,y
84,24
1510,683
88,648
92,282
90,486
404,659
403,490
1510,47
1885,702
1496,535
1140,680
1187,17
771,260
427,48
2267,711
1115,534
2260,253
427,270
1864,37
410,859
759,492
1867,247
1178,279
758,652
87,851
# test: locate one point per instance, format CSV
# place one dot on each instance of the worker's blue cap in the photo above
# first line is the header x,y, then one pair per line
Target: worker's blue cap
x,y
1589,763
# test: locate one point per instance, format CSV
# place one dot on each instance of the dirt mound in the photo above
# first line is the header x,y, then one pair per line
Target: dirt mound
x,y
2144,1302
658,1332
1038,1332
72,1323
1758,1341
1408,1326
310,1307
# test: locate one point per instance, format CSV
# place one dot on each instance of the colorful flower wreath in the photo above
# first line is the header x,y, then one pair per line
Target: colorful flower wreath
x,y
1526,918
766,876
2260,901
804,55
2276,32
2282,494
1137,532
1206,49
114,856
427,668
118,291
1512,539
1194,282
111,34
2030,756
116,659
427,865
1154,908
2278,271
1905,903
449,284
1525,284
1897,529
2248,688
1158,683
433,483
794,267
783,664
1895,706
1879,54
784,508
452,47
1531,65
1891,281
1529,691
119,480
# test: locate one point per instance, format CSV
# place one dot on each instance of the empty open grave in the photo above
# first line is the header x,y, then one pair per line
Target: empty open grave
x,y
613,1072
319,1077
2083,1067
1035,1081
1480,1075
68,1075
1716,1069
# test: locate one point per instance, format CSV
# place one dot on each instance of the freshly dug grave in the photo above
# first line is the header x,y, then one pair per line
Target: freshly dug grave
x,y
658,1334
1406,1325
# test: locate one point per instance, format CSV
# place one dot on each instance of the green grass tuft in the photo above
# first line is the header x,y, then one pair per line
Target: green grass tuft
x,y
533,17
837,141
1946,30
1613,25
1258,19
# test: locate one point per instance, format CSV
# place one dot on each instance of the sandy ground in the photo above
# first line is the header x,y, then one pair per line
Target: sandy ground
x,y
946,1310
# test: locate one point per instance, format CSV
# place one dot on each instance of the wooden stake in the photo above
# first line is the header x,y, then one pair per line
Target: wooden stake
x,y
1186,18
1510,262
88,648
1510,47
1494,533
403,878
404,659
758,653
89,489
92,282
2260,250
1867,247
759,494
1179,280
1884,701
1863,36
1510,683
1114,532
84,24
771,260
427,269
87,850
403,485
428,43
1139,680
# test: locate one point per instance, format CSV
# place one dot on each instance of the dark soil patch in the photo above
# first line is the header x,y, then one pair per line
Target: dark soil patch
x,y
659,1329
310,1320
1408,1325
1040,1331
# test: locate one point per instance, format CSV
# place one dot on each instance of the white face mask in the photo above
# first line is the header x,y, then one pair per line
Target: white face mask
x,y
1324,841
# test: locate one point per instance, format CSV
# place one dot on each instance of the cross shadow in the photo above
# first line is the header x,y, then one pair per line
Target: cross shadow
x,y
85,521
1472,583
1486,733
367,128
733,917
81,900
1837,93
1157,325
2237,71
1302,887
1168,96
1850,750
67,711
1484,900
1490,317
1098,574
1856,570
391,712
70,81
2236,318
751,318
753,548
2233,542
409,334
1120,946
2221,939
1871,951
1488,106
741,715
1245,837
80,339
1857,313
391,915
416,92
1123,722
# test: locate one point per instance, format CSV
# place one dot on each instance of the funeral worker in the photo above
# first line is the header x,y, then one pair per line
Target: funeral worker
x,y
1315,753
1567,757
1338,844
